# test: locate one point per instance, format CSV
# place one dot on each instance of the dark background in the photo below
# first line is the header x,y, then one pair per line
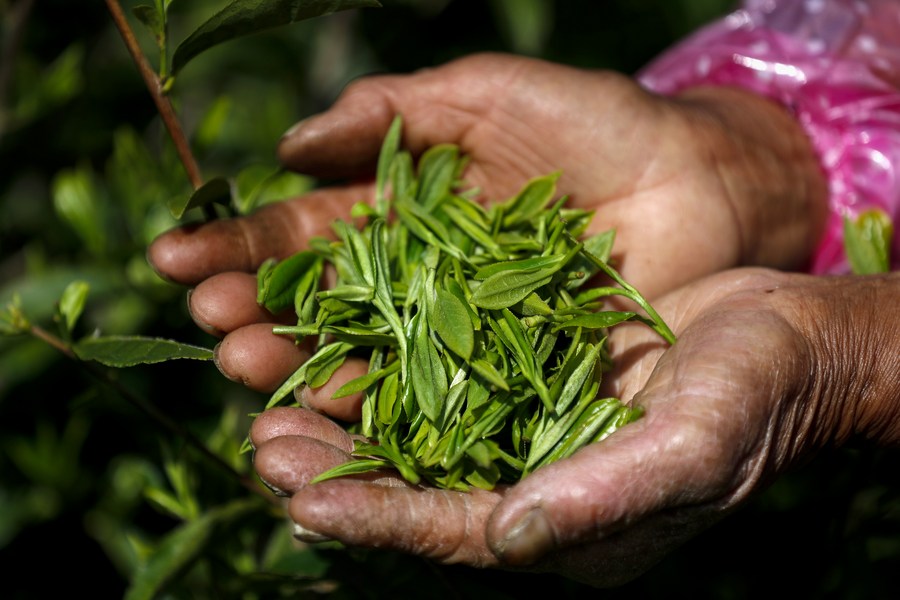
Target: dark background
x,y
85,172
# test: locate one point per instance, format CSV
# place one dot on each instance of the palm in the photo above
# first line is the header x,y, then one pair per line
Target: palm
x,y
620,150
715,417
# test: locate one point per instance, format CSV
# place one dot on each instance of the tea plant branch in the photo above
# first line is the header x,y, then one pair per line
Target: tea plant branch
x,y
154,86
160,418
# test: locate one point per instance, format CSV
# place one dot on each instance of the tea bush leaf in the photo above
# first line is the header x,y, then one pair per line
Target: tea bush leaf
x,y
71,304
181,547
243,17
76,198
217,190
128,351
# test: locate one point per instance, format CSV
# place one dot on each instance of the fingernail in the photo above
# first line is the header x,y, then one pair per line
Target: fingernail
x,y
219,365
527,540
293,129
306,535
275,490
302,396
199,322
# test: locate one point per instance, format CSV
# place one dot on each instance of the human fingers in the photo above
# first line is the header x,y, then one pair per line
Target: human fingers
x,y
439,105
374,509
515,117
441,525
702,448
192,253
227,301
258,358
290,421
263,361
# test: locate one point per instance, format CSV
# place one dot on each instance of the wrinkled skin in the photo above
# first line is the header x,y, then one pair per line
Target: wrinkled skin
x,y
694,185
713,179
751,389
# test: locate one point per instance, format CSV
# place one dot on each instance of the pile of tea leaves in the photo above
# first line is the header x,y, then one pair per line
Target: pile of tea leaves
x,y
485,347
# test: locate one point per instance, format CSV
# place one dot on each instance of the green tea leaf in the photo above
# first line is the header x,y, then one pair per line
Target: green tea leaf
x,y
435,285
599,415
429,379
490,374
509,287
526,265
349,293
595,321
361,383
454,400
128,351
529,202
437,170
353,467
318,372
574,382
867,241
452,324
360,336
243,17
384,298
277,282
599,245
216,190
386,162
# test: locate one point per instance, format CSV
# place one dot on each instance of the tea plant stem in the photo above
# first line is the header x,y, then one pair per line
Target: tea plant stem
x,y
154,414
154,86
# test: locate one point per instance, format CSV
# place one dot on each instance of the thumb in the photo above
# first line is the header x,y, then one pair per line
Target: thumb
x,y
189,254
623,503
439,105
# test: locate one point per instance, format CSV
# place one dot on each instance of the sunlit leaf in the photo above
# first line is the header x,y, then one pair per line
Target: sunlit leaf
x,y
71,303
76,198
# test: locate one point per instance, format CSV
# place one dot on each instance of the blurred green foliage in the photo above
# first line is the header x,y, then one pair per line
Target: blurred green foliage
x,y
88,479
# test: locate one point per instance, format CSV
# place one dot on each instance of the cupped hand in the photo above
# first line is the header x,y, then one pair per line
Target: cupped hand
x,y
769,369
712,179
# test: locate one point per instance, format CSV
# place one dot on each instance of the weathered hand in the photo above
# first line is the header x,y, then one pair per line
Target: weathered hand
x,y
768,370
713,179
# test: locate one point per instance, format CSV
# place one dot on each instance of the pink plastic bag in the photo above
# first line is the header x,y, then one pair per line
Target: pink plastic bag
x,y
836,65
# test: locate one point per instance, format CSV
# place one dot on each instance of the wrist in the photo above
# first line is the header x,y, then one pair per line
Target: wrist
x,y
855,348
774,184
